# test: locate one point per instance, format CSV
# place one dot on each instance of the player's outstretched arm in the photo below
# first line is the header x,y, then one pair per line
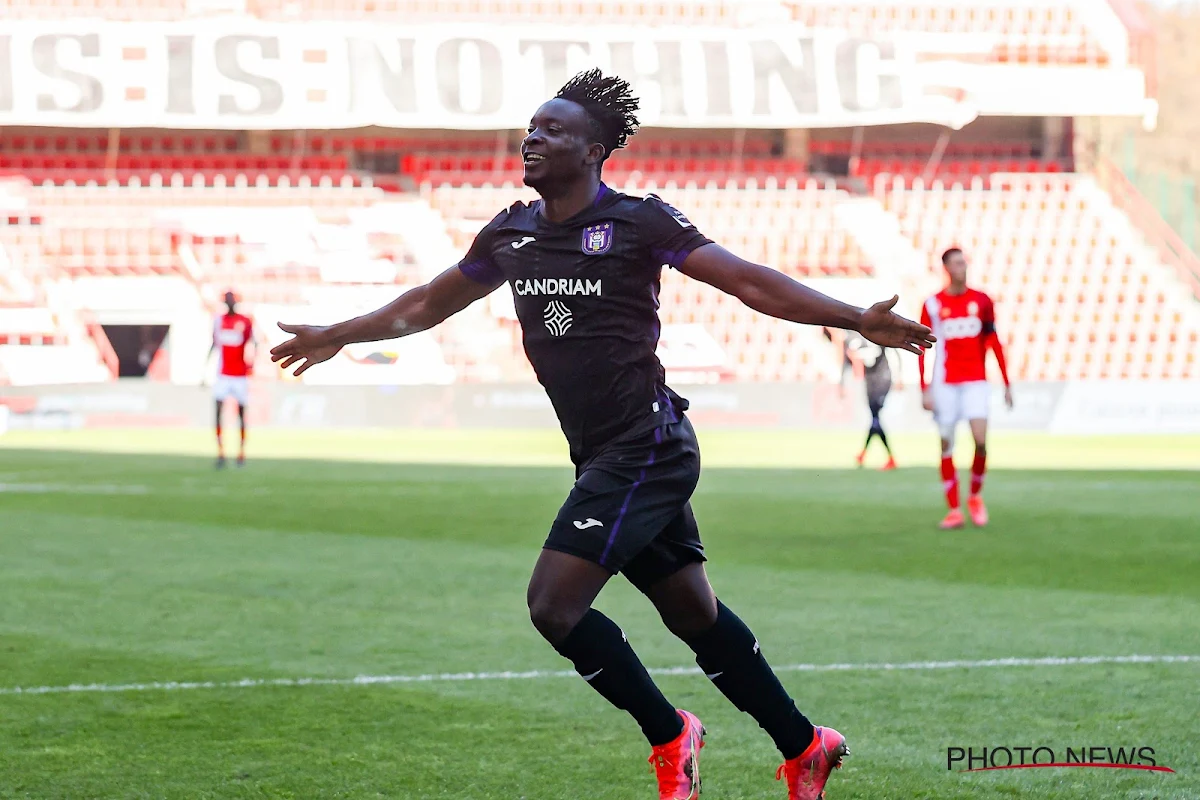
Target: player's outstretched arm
x,y
772,293
414,311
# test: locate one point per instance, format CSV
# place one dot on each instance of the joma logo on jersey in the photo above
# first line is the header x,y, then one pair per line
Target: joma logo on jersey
x,y
962,328
532,287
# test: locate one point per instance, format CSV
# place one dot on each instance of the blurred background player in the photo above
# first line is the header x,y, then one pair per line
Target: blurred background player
x,y
877,380
233,335
964,322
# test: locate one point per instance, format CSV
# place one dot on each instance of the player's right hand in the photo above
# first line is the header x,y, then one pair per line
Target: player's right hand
x,y
308,346
927,400
879,324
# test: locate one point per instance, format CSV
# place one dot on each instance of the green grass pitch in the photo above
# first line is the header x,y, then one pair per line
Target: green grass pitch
x,y
125,558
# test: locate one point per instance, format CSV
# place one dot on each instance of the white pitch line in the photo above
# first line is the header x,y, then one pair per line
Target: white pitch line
x,y
460,677
73,488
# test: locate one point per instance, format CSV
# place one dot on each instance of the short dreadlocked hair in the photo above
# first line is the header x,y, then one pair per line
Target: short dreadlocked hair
x,y
609,104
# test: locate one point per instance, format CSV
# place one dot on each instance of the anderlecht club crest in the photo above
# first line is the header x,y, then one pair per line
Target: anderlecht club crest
x,y
597,239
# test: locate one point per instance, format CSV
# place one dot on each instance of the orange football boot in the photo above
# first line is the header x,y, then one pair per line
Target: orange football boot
x,y
953,521
677,763
889,466
978,510
807,773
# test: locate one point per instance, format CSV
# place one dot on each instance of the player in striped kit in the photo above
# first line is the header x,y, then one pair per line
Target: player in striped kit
x,y
964,322
233,334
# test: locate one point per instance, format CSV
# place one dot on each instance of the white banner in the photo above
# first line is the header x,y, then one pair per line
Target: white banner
x,y
241,73
1128,407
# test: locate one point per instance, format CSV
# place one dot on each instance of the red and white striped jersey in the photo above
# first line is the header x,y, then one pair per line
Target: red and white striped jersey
x,y
962,324
231,334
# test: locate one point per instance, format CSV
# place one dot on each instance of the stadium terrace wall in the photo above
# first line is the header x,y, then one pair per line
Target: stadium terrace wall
x,y
1079,407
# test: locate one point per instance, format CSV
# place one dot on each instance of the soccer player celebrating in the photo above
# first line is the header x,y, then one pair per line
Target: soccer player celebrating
x,y
964,322
584,264
233,334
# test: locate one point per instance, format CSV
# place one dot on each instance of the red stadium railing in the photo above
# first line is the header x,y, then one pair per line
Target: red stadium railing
x,y
107,354
1142,44
1161,235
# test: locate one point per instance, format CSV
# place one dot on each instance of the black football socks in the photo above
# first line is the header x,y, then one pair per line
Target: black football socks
x,y
730,657
883,438
602,656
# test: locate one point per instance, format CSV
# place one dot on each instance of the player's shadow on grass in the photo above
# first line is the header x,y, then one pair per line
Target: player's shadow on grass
x,y
1097,530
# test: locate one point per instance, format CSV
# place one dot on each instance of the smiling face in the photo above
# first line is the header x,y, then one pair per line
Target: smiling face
x,y
558,147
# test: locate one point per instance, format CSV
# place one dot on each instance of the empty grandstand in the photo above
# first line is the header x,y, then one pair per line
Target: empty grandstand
x,y
842,143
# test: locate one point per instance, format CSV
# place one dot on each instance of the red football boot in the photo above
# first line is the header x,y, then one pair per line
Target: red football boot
x,y
977,509
677,763
807,773
953,520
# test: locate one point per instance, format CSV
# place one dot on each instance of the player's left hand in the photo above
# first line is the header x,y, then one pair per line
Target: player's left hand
x,y
309,345
879,324
1008,397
